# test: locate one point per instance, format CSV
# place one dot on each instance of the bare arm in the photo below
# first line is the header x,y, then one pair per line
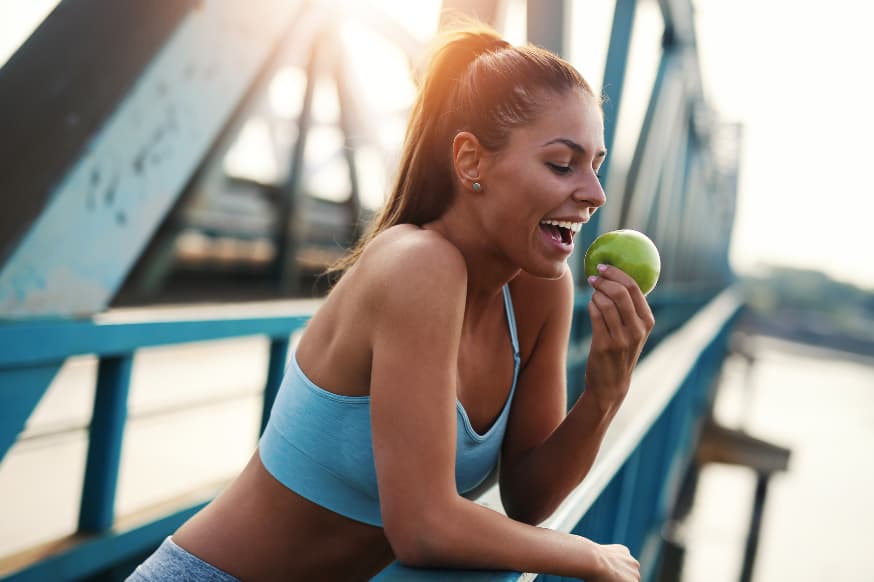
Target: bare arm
x,y
420,299
546,453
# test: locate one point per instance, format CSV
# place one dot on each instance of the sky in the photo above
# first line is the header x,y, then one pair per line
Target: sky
x,y
796,74
793,72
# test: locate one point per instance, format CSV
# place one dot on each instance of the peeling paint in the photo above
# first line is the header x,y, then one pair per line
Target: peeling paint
x,y
62,292
75,255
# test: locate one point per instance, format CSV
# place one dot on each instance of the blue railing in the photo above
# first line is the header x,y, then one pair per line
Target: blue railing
x,y
99,543
624,499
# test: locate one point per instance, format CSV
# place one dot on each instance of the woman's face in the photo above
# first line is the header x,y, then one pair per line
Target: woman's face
x,y
544,186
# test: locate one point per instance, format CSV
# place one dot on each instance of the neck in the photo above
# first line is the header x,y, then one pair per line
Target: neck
x,y
487,269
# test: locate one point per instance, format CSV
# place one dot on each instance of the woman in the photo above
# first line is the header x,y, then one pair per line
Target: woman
x,y
442,346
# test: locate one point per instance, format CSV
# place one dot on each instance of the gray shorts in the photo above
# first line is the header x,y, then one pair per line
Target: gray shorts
x,y
170,562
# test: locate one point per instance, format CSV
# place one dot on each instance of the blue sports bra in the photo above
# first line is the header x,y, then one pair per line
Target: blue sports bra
x,y
318,443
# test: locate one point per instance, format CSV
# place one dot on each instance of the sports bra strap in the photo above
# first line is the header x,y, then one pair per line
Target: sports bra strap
x,y
511,320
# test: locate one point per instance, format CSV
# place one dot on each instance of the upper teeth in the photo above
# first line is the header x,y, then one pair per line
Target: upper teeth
x,y
573,226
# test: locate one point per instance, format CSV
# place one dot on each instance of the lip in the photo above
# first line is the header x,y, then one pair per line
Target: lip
x,y
559,246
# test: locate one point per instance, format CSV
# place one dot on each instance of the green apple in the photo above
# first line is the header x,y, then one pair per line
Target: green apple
x,y
630,251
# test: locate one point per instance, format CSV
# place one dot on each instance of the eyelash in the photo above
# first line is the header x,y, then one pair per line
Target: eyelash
x,y
562,170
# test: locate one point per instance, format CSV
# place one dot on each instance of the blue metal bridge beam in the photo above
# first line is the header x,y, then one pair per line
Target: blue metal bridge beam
x,y
680,19
275,371
105,208
653,147
104,444
21,389
546,25
56,90
612,86
672,199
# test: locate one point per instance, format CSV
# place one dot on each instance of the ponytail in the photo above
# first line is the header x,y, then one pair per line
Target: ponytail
x,y
475,81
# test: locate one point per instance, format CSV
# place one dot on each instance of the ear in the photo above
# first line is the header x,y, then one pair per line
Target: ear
x,y
467,157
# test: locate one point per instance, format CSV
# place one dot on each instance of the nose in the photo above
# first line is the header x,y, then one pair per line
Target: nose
x,y
590,193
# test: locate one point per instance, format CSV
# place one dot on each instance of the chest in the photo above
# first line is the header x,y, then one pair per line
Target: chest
x,y
485,373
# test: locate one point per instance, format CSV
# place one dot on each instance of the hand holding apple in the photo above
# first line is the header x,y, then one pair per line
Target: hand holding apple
x,y
620,316
629,250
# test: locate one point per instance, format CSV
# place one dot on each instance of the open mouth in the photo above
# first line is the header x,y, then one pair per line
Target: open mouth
x,y
561,231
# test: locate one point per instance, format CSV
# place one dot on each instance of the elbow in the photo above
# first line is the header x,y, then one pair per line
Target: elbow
x,y
408,547
416,537
526,515
528,509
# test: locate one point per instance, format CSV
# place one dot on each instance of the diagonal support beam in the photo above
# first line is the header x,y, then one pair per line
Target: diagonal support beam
x,y
104,210
56,90
20,391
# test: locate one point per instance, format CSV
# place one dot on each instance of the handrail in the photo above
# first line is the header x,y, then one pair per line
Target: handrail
x,y
656,380
116,336
106,339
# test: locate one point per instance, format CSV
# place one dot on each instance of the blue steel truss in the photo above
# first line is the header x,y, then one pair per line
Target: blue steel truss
x,y
142,157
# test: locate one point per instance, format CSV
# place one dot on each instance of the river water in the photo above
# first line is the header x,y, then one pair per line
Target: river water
x,y
818,523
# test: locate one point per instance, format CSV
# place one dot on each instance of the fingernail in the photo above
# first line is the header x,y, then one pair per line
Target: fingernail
x,y
592,280
602,268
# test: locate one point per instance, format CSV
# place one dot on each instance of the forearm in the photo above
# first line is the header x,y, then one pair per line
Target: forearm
x,y
536,484
468,535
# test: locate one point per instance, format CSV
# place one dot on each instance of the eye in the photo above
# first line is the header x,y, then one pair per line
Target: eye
x,y
559,169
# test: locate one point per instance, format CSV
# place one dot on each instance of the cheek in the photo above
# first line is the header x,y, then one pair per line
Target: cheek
x,y
524,193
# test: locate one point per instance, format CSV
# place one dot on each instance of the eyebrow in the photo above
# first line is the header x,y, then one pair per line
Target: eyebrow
x,y
573,145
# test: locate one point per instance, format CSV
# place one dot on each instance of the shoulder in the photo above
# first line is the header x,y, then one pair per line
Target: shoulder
x,y
407,266
406,255
412,250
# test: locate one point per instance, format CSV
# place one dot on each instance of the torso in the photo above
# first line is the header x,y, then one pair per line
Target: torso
x,y
260,530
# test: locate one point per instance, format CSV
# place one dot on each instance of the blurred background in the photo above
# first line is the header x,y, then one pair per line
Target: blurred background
x,y
182,158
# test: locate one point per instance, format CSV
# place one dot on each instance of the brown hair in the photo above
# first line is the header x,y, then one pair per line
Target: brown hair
x,y
475,81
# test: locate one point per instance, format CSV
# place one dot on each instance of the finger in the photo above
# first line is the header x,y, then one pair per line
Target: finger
x,y
599,325
610,314
616,274
641,306
644,311
619,294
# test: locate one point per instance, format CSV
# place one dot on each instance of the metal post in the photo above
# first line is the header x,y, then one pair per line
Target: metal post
x,y
611,89
545,25
648,160
614,72
752,544
275,372
104,446
287,272
626,497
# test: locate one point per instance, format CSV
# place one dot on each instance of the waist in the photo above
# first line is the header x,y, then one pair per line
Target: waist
x,y
259,529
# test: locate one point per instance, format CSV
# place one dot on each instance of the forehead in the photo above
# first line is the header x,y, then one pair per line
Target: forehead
x,y
573,116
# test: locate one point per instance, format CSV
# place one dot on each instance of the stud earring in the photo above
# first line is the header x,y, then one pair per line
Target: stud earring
x,y
477,187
